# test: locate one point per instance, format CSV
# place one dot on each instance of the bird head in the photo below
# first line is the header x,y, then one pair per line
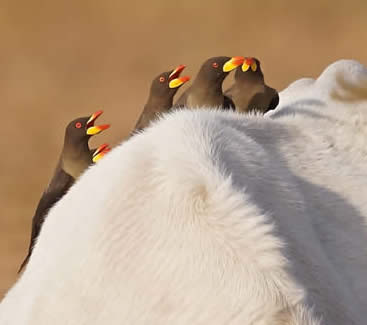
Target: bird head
x,y
250,64
167,83
250,71
215,69
83,128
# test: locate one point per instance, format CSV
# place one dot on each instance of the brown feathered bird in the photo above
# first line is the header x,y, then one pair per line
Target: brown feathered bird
x,y
160,100
206,89
249,91
74,159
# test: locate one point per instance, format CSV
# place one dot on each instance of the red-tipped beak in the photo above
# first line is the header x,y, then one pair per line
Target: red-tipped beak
x,y
233,63
177,72
249,62
91,128
174,78
101,151
93,118
178,82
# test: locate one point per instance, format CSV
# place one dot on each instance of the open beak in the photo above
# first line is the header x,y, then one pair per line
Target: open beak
x,y
100,152
95,129
233,63
174,78
249,62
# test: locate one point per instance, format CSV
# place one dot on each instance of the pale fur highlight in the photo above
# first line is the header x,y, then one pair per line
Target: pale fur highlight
x,y
212,217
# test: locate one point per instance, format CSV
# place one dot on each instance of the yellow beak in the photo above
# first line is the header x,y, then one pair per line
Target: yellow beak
x,y
233,63
177,82
100,152
95,129
249,62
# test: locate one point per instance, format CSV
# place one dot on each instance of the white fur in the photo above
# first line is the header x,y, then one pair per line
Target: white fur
x,y
211,217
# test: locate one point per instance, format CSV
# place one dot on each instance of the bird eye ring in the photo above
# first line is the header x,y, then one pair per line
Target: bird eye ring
x,y
162,79
78,125
215,65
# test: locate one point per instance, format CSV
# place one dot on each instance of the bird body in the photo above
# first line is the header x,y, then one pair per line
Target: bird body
x,y
249,91
204,97
74,160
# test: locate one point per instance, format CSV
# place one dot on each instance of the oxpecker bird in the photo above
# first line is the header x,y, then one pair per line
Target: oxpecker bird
x,y
206,89
162,91
249,91
74,159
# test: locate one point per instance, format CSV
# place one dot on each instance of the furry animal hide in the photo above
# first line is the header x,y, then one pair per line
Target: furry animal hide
x,y
212,217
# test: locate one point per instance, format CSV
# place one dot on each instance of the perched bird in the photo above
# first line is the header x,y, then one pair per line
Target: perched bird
x,y
206,89
249,91
162,91
75,158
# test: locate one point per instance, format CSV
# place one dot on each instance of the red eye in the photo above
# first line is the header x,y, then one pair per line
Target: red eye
x,y
78,125
215,65
162,79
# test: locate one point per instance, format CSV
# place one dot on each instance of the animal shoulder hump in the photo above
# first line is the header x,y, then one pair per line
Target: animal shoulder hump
x,y
182,150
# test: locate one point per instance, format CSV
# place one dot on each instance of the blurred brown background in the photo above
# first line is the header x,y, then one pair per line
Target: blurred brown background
x,y
64,59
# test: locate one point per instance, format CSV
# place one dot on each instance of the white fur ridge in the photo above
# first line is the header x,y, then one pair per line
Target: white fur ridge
x,y
211,217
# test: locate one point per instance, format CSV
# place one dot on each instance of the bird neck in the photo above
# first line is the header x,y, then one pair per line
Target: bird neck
x,y
158,103
251,78
202,85
155,104
75,157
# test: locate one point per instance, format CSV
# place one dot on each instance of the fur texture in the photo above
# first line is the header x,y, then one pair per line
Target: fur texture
x,y
212,217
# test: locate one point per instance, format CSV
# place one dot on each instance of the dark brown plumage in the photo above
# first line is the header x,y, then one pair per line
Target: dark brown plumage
x,y
206,89
75,158
249,91
160,100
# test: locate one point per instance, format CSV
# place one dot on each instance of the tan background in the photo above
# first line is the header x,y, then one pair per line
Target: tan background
x,y
64,59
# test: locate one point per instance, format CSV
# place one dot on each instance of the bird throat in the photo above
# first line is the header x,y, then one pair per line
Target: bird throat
x,y
203,95
75,158
158,103
155,104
